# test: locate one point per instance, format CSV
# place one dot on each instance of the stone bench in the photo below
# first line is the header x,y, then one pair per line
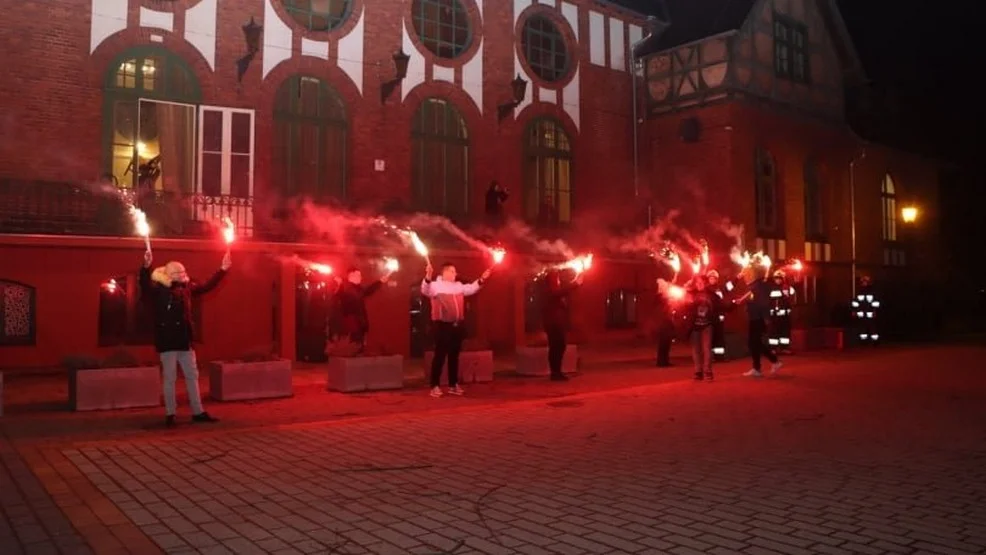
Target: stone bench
x,y
239,381
365,373
474,367
115,388
533,361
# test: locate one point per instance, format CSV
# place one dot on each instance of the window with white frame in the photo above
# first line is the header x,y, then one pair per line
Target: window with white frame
x,y
226,141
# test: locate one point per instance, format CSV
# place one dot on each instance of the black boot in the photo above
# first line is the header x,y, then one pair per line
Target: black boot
x,y
204,417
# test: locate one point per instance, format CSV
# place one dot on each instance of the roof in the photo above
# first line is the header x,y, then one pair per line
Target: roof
x,y
692,20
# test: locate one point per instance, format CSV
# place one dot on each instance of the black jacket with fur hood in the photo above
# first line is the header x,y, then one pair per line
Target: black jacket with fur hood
x,y
171,304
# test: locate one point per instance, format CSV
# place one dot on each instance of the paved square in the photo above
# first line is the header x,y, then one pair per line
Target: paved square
x,y
872,454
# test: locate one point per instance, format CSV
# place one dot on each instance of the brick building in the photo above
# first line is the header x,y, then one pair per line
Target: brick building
x,y
416,105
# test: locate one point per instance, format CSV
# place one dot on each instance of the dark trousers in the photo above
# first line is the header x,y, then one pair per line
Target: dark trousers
x,y
757,345
448,345
556,348
665,336
780,332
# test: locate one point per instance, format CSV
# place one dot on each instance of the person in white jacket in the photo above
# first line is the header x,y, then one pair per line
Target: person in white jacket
x,y
448,315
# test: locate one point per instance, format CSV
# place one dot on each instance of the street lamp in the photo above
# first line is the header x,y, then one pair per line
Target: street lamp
x,y
909,214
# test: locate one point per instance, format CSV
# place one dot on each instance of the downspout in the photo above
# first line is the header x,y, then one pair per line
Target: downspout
x,y
852,213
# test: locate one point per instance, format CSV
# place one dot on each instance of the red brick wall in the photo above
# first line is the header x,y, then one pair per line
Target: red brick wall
x,y
52,126
714,178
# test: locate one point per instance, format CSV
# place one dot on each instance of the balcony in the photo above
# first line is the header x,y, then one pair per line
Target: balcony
x,y
49,208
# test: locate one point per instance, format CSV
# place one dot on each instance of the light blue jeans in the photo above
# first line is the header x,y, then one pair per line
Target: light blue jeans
x,y
169,364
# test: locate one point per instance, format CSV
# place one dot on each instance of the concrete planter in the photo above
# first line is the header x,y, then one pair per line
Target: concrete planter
x,y
238,381
474,367
533,361
351,374
114,388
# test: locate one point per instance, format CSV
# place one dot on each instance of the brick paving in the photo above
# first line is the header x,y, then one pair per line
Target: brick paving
x,y
879,452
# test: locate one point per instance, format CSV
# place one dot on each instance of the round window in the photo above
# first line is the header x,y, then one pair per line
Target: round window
x,y
544,48
443,26
318,15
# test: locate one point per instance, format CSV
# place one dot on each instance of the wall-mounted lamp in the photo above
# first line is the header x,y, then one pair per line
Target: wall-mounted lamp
x,y
909,214
401,61
251,35
518,88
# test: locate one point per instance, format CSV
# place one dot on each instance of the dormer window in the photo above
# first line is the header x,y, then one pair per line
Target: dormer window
x,y
790,44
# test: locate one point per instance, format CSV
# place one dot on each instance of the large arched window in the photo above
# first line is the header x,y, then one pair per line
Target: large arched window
x,y
766,191
888,193
149,120
547,172
310,136
17,314
440,159
814,209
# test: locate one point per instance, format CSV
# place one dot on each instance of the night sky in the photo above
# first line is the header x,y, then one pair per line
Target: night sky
x,y
924,57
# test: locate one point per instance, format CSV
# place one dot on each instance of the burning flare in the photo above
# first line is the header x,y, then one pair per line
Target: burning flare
x,y
697,266
391,264
323,269
141,226
229,230
705,253
676,292
797,266
498,254
579,264
419,245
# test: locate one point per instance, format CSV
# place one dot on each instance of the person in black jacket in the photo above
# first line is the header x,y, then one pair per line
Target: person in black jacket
x,y
554,318
350,305
169,292
495,197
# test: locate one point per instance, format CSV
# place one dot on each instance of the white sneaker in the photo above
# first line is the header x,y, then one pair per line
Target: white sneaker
x,y
457,390
753,373
776,367
436,392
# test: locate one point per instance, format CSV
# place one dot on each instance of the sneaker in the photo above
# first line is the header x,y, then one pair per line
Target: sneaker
x,y
776,367
457,390
169,421
204,417
436,392
753,373
559,378
698,376
709,377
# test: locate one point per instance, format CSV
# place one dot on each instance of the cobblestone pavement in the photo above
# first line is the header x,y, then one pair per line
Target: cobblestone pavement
x,y
878,454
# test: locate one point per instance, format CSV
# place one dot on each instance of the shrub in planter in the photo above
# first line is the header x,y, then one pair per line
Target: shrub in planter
x,y
120,381
353,367
257,375
475,363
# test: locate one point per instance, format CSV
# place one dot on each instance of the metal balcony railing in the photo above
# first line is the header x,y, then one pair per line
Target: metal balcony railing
x,y
51,208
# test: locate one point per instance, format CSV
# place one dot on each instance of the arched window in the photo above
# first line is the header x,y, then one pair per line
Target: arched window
x,y
149,120
17,314
888,192
766,191
310,136
814,209
547,172
440,159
